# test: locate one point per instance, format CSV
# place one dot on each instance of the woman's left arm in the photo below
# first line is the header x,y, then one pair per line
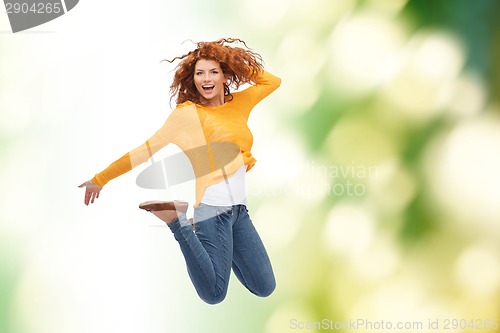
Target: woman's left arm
x,y
268,79
265,84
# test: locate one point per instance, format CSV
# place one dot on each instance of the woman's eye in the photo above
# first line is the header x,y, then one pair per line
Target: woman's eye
x,y
199,73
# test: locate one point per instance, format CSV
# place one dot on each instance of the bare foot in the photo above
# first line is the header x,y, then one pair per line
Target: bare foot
x,y
167,216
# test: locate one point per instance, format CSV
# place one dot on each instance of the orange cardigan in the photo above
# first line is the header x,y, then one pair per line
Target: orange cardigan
x,y
191,125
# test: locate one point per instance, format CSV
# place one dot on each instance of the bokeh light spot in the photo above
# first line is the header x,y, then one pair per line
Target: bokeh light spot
x,y
361,46
428,66
477,271
467,165
349,229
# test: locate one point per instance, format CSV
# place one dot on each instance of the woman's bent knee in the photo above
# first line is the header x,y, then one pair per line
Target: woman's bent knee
x,y
266,290
213,299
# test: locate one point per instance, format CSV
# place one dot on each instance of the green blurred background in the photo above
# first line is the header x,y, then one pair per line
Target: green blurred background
x,y
376,192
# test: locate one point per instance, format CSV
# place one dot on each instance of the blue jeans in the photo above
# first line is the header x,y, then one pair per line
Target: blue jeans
x,y
223,237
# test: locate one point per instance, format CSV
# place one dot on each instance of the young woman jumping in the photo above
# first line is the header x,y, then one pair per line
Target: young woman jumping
x,y
209,116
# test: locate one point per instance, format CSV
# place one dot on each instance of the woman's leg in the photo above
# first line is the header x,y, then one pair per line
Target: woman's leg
x,y
208,250
251,263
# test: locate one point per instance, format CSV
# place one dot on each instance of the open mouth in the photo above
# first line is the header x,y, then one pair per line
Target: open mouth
x,y
208,88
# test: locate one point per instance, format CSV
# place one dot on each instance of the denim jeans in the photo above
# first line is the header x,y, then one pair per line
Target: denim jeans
x,y
223,237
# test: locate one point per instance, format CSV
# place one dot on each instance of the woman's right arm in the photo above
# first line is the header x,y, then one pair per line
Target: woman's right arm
x,y
127,162
122,165
182,125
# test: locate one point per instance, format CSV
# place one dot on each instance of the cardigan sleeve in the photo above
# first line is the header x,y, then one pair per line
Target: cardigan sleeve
x,y
133,158
182,127
263,86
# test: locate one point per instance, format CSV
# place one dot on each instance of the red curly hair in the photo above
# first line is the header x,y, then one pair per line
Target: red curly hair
x,y
239,65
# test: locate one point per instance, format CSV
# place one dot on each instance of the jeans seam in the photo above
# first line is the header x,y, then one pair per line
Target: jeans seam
x,y
220,223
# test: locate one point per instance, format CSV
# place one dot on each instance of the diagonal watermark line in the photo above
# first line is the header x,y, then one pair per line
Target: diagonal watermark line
x,y
63,3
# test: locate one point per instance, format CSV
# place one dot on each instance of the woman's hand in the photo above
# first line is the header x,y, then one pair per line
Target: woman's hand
x,y
91,191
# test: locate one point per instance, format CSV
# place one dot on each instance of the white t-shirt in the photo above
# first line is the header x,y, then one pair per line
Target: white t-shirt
x,y
229,192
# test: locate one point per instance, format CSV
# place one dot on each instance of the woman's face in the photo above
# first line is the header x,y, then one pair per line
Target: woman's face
x,y
209,81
